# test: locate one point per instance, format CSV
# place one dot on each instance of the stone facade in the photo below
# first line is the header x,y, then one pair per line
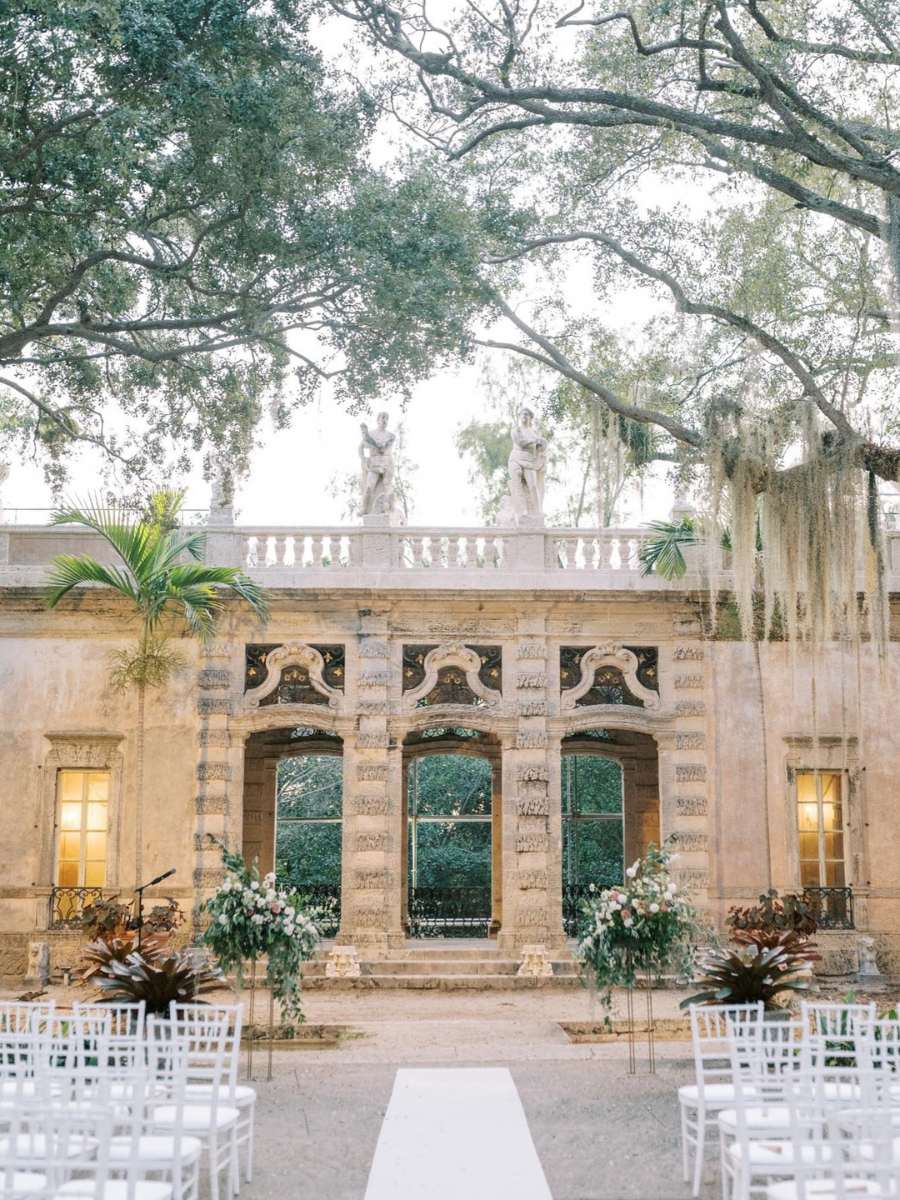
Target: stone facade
x,y
710,763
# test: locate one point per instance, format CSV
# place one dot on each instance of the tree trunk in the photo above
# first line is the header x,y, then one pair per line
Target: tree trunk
x,y
139,790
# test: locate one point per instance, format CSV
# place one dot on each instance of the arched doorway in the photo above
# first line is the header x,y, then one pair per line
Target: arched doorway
x,y
293,814
451,833
610,810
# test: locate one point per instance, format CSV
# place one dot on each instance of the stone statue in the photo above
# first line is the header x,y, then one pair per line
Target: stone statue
x,y
221,500
527,462
376,458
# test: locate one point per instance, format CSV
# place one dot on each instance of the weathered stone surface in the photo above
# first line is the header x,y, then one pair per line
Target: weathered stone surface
x,y
690,773
533,806
688,653
691,806
531,679
210,805
214,770
532,708
214,737
690,708
372,880
531,741
372,741
373,708
531,915
368,918
688,841
374,648
532,881
688,681
373,679
690,741
211,678
371,772
531,650
208,877
691,880
209,706
533,774
371,806
367,842
532,843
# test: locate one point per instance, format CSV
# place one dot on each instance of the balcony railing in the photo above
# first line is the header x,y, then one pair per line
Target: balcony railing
x,y
402,557
67,905
833,906
449,912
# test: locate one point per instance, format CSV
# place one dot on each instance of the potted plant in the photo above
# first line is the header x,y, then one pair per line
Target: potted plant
x,y
765,965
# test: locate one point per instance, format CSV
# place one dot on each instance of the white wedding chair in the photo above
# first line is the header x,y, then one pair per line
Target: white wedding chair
x,y
186,1054
241,1095
713,1089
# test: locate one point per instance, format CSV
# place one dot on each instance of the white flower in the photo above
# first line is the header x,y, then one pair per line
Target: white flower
x,y
254,886
654,908
223,919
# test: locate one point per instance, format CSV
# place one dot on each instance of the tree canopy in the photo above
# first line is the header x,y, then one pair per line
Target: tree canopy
x,y
190,222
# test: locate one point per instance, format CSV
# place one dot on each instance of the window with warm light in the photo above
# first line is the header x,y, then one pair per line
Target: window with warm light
x,y
83,826
820,819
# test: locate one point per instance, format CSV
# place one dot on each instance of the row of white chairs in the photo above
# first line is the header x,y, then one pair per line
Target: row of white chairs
x,y
106,1103
805,1109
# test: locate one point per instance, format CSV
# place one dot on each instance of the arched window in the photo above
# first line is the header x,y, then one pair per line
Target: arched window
x,y
308,812
593,828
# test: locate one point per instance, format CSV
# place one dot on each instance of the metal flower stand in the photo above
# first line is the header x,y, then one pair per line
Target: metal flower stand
x,y
251,1026
630,1027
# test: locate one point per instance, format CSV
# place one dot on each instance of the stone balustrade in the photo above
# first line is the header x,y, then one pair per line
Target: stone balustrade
x,y
398,556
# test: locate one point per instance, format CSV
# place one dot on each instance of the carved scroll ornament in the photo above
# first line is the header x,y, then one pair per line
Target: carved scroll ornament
x,y
609,655
293,654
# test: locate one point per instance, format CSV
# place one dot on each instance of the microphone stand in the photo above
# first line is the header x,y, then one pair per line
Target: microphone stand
x,y
139,891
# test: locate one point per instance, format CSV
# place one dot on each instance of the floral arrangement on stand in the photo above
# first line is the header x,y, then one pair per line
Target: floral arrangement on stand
x,y
643,926
252,917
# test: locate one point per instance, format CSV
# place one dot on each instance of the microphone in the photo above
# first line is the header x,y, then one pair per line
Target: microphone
x,y
159,878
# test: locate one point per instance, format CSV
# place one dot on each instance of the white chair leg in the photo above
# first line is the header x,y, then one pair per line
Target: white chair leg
x,y
234,1171
699,1149
213,1151
248,1169
685,1157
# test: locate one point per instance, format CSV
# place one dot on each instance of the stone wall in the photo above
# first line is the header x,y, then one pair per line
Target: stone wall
x,y
731,724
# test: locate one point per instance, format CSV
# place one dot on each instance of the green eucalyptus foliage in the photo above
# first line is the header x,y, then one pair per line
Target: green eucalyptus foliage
x,y
191,228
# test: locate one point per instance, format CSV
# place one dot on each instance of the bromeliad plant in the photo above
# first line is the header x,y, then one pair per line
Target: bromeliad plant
x,y
764,968
251,917
158,979
643,926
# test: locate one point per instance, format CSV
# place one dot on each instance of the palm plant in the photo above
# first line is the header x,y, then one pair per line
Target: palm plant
x,y
662,554
162,572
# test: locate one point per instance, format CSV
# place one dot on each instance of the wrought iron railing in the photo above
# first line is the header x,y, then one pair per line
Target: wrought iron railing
x,y
322,902
449,912
67,905
832,906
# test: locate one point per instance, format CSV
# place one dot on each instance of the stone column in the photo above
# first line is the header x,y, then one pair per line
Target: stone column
x,y
371,851
532,911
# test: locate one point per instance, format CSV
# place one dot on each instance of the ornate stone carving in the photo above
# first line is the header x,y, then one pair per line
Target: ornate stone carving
x,y
689,842
211,678
368,918
371,679
371,772
213,706
692,880
691,806
688,681
374,880
373,708
690,708
610,654
214,737
535,881
534,805
531,679
690,773
531,741
293,654
342,962
214,770
532,708
371,806
534,773
210,806
529,915
215,650
688,653
368,842
532,843
531,650
38,970
208,877
372,741
84,750
535,962
452,654
690,741
373,648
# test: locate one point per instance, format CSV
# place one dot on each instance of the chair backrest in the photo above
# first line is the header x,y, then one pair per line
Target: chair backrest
x,y
194,1053
17,1016
878,1048
90,1125
74,1055
836,1020
202,1014
713,1028
765,1056
125,1020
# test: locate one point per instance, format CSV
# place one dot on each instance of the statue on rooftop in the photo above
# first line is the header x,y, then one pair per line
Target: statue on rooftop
x,y
376,458
527,463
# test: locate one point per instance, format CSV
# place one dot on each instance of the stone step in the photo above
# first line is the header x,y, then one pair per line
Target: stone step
x,y
445,983
438,967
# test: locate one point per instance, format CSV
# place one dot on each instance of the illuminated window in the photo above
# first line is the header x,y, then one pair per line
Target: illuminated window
x,y
820,823
83,825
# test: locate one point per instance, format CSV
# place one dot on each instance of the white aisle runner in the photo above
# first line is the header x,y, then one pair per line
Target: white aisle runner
x,y
456,1134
